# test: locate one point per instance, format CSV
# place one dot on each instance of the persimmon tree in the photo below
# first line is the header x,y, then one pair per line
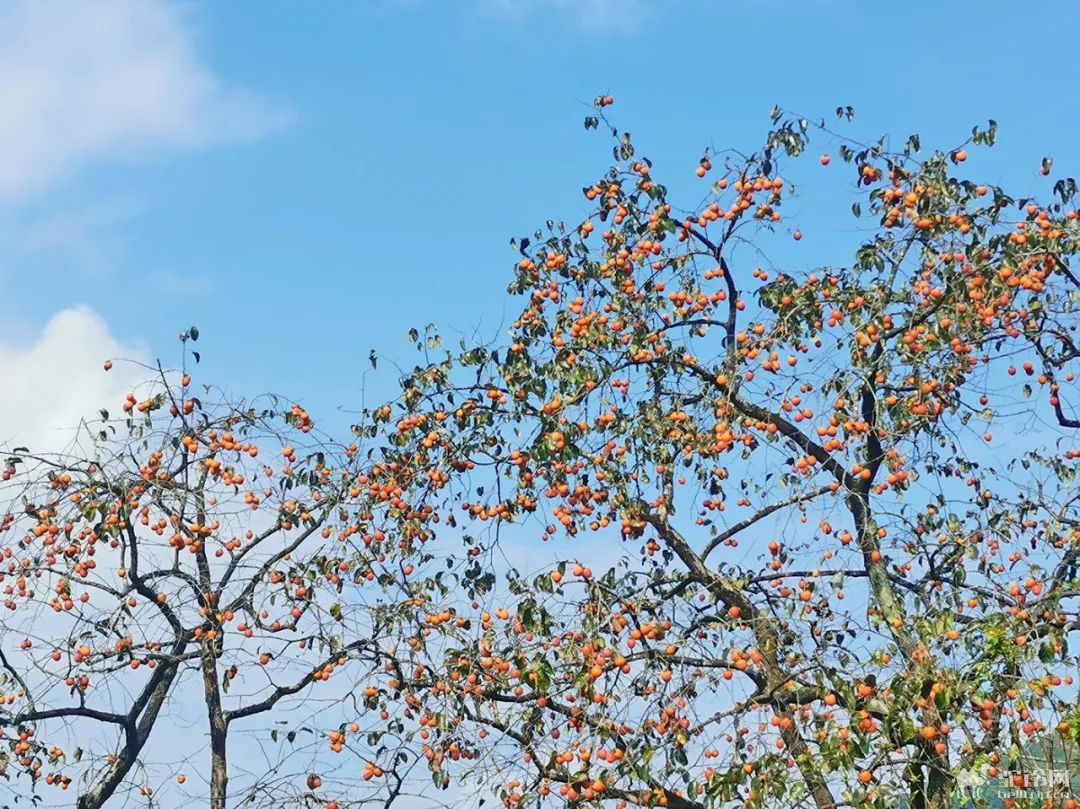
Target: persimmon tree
x,y
219,565
813,531
808,535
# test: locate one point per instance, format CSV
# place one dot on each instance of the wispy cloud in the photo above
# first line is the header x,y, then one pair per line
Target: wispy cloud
x,y
596,16
111,79
87,239
182,285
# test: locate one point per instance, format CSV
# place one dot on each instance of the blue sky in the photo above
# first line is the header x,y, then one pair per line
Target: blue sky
x,y
305,187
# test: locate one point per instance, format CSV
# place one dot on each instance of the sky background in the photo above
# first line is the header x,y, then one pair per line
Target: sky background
x,y
305,187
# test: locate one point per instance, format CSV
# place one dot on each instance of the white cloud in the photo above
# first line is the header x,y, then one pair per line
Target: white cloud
x,y
109,79
182,284
86,238
57,378
599,16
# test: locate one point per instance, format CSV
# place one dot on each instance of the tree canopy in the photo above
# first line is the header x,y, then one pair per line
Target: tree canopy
x,y
797,536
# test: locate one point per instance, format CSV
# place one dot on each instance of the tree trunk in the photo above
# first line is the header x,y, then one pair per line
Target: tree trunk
x,y
142,718
211,645
219,777
811,774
